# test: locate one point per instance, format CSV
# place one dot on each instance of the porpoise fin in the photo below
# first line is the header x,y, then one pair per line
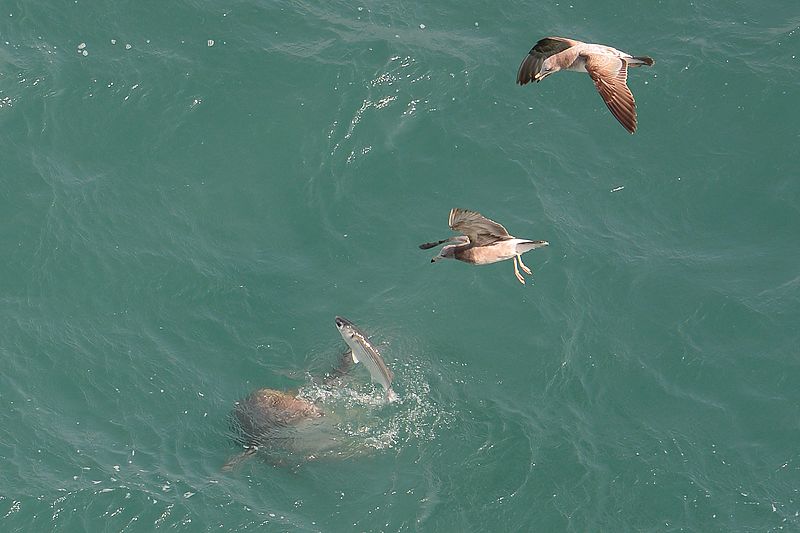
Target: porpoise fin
x,y
234,461
345,364
391,396
355,359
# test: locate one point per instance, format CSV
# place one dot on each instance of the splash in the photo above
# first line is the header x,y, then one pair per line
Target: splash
x,y
365,421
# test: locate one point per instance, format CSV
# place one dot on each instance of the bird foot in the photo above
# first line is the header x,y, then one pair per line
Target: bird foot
x,y
524,268
516,272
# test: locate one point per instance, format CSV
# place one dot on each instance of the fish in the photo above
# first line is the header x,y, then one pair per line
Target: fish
x,y
364,352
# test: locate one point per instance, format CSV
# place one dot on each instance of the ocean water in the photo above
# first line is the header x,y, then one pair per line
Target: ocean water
x,y
187,207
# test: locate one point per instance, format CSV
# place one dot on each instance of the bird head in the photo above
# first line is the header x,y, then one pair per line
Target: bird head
x,y
444,253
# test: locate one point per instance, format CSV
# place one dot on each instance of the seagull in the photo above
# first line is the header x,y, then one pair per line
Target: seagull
x,y
608,68
482,241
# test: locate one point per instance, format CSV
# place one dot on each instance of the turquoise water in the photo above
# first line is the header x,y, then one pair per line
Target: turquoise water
x,y
182,221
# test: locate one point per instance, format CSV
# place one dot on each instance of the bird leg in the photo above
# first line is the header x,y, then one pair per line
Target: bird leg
x,y
524,268
516,272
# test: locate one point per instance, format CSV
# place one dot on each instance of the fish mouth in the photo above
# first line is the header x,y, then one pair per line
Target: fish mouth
x,y
342,322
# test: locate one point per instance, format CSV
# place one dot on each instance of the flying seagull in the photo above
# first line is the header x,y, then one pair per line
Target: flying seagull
x,y
608,68
482,241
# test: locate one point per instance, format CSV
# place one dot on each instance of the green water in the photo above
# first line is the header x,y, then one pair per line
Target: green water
x,y
181,223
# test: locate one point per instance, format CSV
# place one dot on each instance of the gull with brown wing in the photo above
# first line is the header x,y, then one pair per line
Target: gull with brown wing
x,y
608,68
482,241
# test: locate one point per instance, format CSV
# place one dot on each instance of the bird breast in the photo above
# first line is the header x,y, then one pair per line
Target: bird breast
x,y
484,255
579,65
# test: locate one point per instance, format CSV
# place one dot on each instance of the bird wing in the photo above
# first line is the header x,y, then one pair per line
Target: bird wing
x,y
532,64
610,76
480,230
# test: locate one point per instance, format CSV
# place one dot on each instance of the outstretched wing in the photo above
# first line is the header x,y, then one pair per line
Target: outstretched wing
x,y
610,76
532,64
480,230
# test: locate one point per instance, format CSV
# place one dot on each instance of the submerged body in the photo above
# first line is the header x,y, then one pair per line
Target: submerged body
x,y
264,410
266,418
607,66
483,242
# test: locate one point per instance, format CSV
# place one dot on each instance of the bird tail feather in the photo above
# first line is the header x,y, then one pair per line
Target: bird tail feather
x,y
527,246
635,61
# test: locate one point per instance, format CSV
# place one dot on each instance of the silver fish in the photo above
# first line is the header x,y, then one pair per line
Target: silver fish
x,y
364,352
